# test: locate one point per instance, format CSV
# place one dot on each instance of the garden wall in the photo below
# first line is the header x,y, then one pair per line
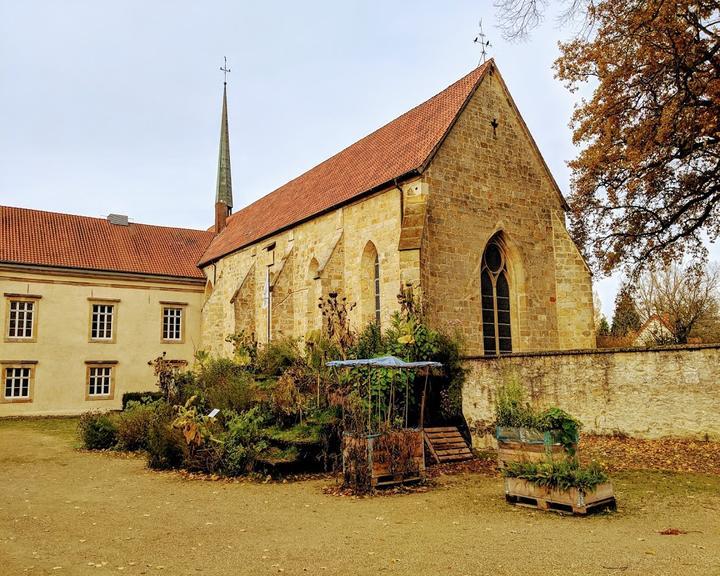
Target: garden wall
x,y
646,393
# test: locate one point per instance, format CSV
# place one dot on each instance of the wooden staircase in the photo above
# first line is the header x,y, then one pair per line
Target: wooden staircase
x,y
446,444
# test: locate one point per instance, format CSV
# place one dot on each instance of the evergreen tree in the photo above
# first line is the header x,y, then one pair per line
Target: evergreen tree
x,y
625,316
603,328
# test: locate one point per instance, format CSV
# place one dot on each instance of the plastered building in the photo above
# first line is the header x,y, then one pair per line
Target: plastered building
x,y
86,303
453,197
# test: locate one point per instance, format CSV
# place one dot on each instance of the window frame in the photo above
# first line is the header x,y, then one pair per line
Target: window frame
x,y
494,276
91,365
114,319
13,365
29,298
182,306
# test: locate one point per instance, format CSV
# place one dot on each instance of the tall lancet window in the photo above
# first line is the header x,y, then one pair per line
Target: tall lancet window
x,y
370,285
495,291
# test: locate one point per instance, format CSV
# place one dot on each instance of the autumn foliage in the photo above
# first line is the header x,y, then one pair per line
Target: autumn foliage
x,y
646,185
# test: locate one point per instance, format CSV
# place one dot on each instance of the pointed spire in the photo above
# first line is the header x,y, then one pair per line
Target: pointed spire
x,y
224,179
223,193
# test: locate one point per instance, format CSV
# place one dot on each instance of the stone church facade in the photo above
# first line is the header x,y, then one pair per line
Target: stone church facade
x,y
453,197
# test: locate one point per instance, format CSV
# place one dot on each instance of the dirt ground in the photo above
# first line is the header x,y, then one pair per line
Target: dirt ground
x,y
65,511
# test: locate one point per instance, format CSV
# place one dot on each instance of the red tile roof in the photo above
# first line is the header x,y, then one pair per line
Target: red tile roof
x,y
68,241
398,148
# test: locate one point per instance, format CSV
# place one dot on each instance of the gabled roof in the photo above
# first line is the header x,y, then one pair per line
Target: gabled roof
x,y
41,238
398,149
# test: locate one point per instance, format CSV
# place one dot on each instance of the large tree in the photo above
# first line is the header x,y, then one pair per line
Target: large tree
x,y
646,184
686,299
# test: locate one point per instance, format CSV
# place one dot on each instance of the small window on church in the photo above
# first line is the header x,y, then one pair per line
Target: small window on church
x,y
495,292
370,285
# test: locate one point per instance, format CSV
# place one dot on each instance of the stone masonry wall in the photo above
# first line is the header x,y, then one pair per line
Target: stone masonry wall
x,y
646,393
485,180
336,241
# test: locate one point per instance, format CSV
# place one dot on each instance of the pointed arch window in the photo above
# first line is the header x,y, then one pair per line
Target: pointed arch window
x,y
495,291
370,285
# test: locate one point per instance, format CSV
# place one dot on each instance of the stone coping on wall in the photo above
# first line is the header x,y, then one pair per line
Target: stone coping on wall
x,y
589,351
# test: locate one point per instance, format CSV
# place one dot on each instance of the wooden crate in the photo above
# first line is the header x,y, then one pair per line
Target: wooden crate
x,y
525,445
571,501
383,471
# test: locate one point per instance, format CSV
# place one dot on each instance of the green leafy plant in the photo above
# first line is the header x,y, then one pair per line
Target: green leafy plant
x,y
244,441
140,397
561,475
97,430
276,356
564,427
512,408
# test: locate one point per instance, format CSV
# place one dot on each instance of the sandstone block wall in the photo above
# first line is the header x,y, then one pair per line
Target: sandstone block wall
x,y
485,180
304,263
646,393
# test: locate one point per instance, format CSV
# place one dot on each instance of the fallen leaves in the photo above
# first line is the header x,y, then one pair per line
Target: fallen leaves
x,y
668,454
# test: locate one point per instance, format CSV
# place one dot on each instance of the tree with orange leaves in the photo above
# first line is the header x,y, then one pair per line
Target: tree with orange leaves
x,y
646,184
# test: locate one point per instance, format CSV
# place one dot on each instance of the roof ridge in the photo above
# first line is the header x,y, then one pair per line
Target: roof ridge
x,y
394,150
475,70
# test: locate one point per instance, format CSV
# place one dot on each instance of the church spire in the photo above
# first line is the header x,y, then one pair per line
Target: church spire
x,y
223,194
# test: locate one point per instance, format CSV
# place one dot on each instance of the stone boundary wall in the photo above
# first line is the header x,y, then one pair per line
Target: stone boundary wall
x,y
642,392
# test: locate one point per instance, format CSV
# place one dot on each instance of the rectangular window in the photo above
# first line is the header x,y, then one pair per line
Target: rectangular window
x,y
101,322
100,382
20,319
17,383
172,324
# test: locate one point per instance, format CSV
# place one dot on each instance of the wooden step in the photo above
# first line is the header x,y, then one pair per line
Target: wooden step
x,y
446,444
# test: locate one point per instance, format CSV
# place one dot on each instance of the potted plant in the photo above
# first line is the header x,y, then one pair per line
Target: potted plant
x,y
526,435
561,486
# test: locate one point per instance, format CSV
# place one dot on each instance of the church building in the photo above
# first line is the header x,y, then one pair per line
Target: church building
x,y
452,197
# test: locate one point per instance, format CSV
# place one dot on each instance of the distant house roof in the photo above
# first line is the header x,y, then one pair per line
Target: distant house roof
x,y
43,238
397,149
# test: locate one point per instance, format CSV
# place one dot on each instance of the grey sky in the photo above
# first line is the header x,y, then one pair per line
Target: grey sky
x,y
114,106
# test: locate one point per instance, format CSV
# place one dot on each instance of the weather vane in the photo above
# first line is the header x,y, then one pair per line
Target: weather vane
x,y
225,69
484,44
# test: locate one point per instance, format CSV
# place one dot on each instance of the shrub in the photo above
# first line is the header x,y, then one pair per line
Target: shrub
x,y
223,384
97,430
133,425
166,446
204,447
276,356
558,475
141,397
512,408
244,441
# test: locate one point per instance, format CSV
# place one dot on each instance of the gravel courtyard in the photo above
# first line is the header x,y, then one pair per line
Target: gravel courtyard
x,y
65,511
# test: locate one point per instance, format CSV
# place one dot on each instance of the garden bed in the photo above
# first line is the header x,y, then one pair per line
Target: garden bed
x,y
376,460
571,500
516,444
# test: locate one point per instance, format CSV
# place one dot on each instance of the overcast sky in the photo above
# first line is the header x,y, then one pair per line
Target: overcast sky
x,y
114,106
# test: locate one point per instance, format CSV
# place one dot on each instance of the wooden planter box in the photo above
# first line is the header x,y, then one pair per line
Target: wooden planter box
x,y
366,458
571,501
526,445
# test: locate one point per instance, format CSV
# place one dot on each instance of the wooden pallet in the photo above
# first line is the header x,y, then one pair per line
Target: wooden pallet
x,y
446,444
572,501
